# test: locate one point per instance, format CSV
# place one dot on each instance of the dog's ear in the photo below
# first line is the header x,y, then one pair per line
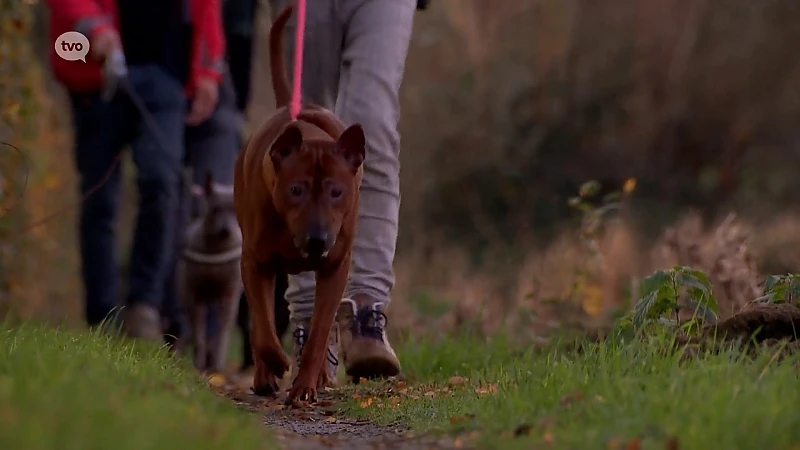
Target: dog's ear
x,y
352,146
208,187
287,143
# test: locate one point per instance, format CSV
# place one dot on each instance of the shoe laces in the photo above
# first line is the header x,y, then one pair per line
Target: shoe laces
x,y
300,336
370,322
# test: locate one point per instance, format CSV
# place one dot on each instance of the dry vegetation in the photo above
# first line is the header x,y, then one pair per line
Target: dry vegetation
x,y
508,106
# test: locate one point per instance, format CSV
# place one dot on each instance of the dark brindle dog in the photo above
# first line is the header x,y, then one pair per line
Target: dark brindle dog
x,y
296,194
210,275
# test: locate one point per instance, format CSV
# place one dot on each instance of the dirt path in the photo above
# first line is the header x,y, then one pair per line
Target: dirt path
x,y
319,427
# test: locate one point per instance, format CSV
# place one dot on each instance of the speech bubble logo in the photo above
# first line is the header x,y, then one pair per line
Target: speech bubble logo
x,y
72,46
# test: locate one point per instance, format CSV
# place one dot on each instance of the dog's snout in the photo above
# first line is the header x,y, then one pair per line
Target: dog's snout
x,y
316,244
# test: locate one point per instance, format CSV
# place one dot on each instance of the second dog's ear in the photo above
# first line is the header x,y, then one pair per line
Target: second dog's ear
x,y
352,146
287,143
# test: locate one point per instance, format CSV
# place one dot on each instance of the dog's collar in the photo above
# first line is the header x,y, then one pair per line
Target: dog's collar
x,y
225,257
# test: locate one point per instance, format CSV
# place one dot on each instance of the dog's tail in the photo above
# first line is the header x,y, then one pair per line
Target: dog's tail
x,y
280,82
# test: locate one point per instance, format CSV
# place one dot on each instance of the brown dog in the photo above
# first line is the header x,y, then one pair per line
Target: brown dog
x,y
209,274
296,193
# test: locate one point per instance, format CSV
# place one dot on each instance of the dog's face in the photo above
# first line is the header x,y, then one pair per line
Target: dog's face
x,y
218,215
315,188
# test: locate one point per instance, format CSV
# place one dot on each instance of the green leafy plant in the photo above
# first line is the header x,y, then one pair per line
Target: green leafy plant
x,y
781,289
665,293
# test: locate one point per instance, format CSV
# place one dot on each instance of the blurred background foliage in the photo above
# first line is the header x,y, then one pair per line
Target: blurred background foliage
x,y
509,106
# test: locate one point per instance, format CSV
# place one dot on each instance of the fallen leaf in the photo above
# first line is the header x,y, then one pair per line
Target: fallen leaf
x,y
456,381
629,186
366,403
571,398
482,390
672,443
461,419
330,419
613,444
458,443
430,394
297,404
216,380
633,444
548,437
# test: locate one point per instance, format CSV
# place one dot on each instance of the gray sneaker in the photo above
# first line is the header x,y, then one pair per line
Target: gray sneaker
x,y
365,348
142,322
300,335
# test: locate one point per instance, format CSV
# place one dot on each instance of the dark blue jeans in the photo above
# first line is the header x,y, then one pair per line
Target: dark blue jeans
x,y
102,130
211,146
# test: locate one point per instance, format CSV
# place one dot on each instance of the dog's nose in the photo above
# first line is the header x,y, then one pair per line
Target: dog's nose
x,y
315,244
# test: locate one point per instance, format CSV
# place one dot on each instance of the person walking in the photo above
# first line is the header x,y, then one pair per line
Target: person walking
x,y
167,58
355,52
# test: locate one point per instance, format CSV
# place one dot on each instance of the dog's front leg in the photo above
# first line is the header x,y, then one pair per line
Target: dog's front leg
x,y
218,349
330,287
198,315
270,360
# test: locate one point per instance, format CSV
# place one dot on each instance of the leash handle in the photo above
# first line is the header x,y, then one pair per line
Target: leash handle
x,y
299,37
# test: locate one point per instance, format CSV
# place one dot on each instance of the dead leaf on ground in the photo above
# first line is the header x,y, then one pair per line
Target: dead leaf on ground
x,y
461,419
366,403
457,380
571,398
633,444
217,380
488,389
330,419
548,437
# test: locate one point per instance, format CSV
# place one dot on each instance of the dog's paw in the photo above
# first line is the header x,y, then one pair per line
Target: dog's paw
x,y
323,380
274,360
301,392
265,383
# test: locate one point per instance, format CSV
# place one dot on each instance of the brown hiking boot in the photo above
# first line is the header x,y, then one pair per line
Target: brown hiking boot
x,y
365,348
142,322
300,335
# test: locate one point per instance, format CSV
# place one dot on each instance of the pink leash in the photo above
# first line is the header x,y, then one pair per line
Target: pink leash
x,y
294,106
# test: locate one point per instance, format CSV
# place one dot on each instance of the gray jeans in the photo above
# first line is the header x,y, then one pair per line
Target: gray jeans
x,y
354,58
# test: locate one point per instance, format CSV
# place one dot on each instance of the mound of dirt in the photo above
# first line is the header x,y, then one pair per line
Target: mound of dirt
x,y
759,323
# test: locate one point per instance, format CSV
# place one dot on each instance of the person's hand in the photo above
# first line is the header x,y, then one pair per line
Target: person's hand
x,y
204,101
115,70
104,44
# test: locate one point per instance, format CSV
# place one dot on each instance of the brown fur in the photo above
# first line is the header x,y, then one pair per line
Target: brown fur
x,y
210,277
285,188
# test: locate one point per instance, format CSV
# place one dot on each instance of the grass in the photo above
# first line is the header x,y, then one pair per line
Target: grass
x,y
603,396
65,390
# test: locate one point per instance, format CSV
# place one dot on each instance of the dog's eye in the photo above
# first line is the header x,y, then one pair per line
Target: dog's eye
x,y
296,190
335,192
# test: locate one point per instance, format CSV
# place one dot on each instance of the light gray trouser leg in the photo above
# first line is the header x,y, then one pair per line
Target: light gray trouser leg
x,y
354,57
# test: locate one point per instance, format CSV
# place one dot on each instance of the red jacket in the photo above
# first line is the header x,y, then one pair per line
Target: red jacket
x,y
93,16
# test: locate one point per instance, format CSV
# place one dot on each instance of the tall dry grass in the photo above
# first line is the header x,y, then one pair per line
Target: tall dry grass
x,y
509,105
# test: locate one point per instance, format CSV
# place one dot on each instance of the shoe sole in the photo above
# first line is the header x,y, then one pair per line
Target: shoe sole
x,y
372,368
